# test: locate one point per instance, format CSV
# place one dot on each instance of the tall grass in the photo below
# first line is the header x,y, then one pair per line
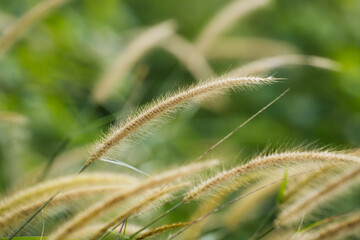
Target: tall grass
x,y
99,205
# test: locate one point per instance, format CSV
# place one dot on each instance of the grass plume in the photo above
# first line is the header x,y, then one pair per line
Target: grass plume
x,y
65,183
317,196
267,64
338,230
137,48
270,160
153,196
189,56
9,219
16,30
83,218
224,19
166,105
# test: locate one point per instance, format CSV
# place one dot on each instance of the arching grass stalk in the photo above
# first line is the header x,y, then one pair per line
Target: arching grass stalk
x,y
6,220
267,64
326,220
189,55
310,201
237,199
164,106
101,207
137,48
271,161
16,30
224,19
209,150
50,187
137,207
337,230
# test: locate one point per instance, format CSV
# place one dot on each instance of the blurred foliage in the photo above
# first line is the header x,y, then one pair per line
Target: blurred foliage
x,y
47,77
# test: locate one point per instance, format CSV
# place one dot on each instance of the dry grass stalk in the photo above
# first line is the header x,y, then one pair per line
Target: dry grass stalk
x,y
233,47
224,19
266,64
274,159
338,230
171,103
10,218
16,30
189,56
161,229
137,48
49,188
138,206
84,217
317,196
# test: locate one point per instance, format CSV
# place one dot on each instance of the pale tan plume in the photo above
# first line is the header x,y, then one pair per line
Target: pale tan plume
x,y
267,64
123,63
224,19
64,183
270,160
9,219
17,29
340,229
171,103
189,56
103,206
290,214
136,207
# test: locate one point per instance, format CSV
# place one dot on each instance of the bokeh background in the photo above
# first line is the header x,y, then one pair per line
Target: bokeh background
x,y
46,80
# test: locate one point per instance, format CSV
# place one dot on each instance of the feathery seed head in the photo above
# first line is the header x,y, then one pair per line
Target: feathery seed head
x,y
272,160
165,106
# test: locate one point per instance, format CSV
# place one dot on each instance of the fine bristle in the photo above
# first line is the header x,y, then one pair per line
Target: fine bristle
x,y
168,104
274,159
101,207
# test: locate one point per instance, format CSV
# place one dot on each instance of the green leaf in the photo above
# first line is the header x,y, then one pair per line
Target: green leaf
x,y
281,194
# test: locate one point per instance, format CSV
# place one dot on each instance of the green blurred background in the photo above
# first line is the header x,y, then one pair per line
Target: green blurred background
x,y
47,76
